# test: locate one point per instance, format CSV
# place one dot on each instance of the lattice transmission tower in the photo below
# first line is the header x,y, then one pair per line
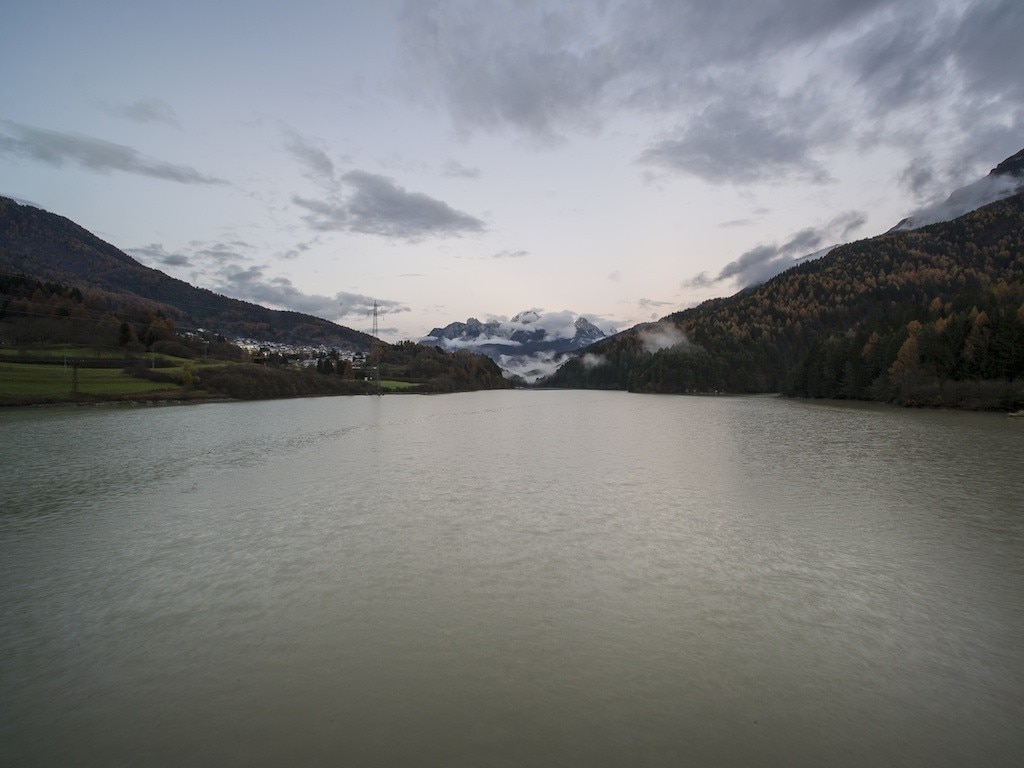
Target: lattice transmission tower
x,y
376,351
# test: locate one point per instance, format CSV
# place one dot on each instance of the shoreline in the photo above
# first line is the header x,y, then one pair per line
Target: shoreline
x,y
181,398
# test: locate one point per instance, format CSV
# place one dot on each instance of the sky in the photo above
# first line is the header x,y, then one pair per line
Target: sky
x,y
461,158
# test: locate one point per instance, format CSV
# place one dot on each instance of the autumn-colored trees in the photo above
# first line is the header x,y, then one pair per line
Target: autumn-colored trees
x,y
915,317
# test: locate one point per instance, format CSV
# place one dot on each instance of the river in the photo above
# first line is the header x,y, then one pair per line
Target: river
x,y
511,578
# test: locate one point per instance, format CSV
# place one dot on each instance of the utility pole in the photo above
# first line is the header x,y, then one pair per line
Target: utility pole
x,y
375,352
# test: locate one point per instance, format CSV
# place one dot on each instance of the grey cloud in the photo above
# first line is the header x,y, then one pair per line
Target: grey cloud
x,y
802,242
222,252
985,190
143,111
987,46
542,69
177,260
252,284
729,142
754,266
556,325
950,67
475,343
847,223
313,157
531,367
901,62
700,280
378,206
154,253
493,66
664,335
323,216
652,304
457,170
510,254
296,250
725,75
763,262
55,148
919,178
734,223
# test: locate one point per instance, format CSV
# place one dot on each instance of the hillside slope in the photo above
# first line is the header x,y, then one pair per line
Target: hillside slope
x,y
52,248
930,316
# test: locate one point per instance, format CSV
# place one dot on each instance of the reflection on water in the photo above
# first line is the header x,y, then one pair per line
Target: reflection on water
x,y
512,578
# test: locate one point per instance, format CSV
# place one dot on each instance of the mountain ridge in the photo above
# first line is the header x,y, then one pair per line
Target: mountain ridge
x,y
47,246
1006,179
929,316
527,345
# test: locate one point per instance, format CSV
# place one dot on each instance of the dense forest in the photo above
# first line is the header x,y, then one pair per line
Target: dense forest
x,y
933,316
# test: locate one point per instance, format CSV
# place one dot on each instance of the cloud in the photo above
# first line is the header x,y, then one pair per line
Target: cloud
x,y
729,142
531,367
556,325
652,304
223,252
496,65
473,343
664,335
765,261
987,47
457,170
528,324
510,254
700,280
143,111
225,268
919,177
56,148
985,190
251,283
973,49
154,253
590,360
543,69
313,157
732,92
376,205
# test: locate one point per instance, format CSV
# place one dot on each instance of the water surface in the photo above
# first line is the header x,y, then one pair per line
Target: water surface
x,y
512,578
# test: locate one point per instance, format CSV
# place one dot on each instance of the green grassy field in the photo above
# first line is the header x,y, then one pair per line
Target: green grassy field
x,y
58,352
28,376
391,385
56,380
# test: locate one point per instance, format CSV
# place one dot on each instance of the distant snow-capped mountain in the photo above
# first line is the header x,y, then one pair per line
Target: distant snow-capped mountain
x,y
528,345
1004,180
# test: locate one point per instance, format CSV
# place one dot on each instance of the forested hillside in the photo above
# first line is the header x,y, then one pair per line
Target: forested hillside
x,y
928,317
49,331
51,248
67,296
